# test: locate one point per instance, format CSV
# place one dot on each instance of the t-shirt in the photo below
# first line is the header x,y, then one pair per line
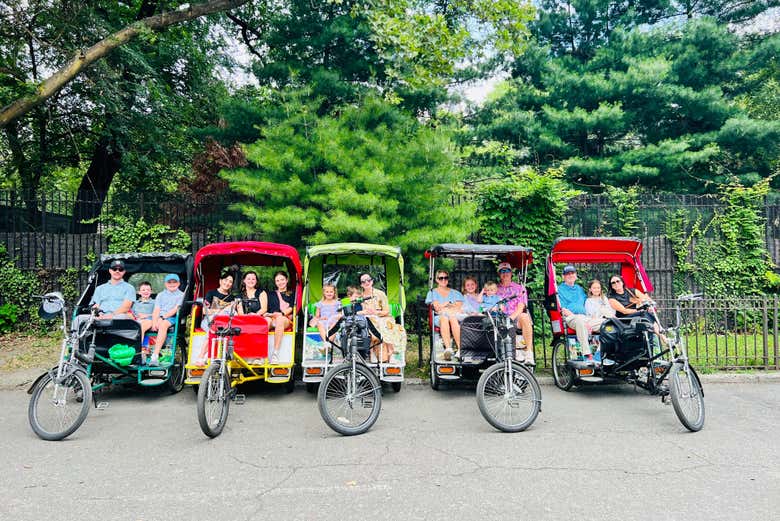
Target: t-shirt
x,y
218,301
143,307
470,304
488,301
452,297
168,300
512,289
572,298
110,296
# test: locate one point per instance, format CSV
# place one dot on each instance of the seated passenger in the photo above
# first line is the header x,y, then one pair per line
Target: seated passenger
x,y
597,304
489,297
113,298
143,307
447,304
327,310
377,310
471,299
166,306
254,301
517,309
572,299
625,302
281,304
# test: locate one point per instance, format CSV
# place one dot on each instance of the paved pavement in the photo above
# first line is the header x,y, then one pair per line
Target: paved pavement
x,y
598,453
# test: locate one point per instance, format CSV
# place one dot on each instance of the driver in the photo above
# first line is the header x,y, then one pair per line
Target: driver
x,y
517,309
113,298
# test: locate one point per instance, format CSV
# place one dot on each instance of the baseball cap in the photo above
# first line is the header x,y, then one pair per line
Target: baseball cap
x,y
504,266
117,263
172,276
569,269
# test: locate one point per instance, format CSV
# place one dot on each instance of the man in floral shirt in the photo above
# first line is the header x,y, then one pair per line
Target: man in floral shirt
x,y
517,309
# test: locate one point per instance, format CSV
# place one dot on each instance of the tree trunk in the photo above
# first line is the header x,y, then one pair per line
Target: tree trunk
x,y
106,160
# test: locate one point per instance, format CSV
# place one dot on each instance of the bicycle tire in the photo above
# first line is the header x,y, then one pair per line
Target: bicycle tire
x,y
337,408
563,374
435,379
75,390
687,397
498,408
213,400
176,372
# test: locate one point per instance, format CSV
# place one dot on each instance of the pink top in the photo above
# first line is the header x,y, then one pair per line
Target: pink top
x,y
513,289
283,305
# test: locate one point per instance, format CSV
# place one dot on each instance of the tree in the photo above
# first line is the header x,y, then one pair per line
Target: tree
x,y
654,108
367,173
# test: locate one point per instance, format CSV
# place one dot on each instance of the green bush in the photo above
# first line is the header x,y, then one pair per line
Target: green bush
x,y
9,315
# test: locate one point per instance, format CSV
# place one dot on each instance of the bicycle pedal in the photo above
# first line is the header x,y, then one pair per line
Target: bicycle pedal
x,y
239,399
101,405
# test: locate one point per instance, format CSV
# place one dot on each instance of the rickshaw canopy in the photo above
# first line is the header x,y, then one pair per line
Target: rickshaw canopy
x,y
517,256
625,251
210,260
356,254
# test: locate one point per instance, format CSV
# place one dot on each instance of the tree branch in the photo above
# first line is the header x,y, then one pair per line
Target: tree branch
x,y
85,58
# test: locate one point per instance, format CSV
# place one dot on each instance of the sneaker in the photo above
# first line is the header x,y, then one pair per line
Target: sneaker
x,y
274,358
154,361
447,355
457,354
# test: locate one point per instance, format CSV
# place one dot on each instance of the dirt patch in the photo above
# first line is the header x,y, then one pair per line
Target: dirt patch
x,y
20,352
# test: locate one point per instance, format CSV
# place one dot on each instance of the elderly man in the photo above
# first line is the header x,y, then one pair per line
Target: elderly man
x,y
572,299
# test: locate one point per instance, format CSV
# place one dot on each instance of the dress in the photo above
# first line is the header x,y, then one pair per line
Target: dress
x,y
391,332
329,313
470,304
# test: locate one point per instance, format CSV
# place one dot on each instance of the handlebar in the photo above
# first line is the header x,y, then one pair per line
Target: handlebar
x,y
690,297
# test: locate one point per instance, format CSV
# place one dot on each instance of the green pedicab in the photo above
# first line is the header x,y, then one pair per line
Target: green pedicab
x,y
340,264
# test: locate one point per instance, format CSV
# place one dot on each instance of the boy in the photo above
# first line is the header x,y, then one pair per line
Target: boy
x,y
489,297
166,306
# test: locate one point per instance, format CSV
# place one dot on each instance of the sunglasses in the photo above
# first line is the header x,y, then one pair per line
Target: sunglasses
x,y
363,281
613,282
117,269
505,271
443,277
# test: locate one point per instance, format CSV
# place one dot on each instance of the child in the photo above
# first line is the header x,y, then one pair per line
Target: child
x,y
353,293
327,313
142,310
489,297
166,306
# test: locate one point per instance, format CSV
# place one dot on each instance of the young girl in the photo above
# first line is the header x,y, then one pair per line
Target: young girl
x,y
471,299
597,305
327,313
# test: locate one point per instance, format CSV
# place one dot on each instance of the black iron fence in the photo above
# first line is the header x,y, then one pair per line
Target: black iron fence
x,y
719,333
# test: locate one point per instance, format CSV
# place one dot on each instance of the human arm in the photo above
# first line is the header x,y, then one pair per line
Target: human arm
x,y
620,308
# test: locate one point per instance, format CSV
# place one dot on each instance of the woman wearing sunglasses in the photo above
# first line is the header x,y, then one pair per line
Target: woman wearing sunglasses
x,y
447,304
626,300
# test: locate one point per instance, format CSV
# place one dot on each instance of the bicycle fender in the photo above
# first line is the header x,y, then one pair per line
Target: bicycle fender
x,y
30,390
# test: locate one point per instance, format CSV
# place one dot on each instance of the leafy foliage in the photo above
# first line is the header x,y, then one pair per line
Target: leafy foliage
x,y
16,290
527,209
124,236
9,315
367,173
626,203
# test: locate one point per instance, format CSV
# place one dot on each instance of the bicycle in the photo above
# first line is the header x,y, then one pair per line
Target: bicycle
x,y
508,394
60,398
216,389
350,394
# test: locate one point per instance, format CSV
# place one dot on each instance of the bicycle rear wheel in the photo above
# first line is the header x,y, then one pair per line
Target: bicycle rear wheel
x,y
57,410
563,374
687,396
213,399
350,402
509,411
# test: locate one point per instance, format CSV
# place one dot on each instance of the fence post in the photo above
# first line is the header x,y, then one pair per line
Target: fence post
x,y
774,331
418,327
765,326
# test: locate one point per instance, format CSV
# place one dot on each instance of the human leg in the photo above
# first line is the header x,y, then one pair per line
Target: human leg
x,y
579,323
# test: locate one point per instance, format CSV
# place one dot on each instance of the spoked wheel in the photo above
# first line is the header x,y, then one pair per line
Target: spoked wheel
x,y
687,396
57,410
509,409
213,400
350,402
563,374
176,375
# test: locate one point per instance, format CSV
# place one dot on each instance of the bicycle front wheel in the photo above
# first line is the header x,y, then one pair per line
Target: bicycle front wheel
x,y
509,399
213,399
350,401
687,396
57,410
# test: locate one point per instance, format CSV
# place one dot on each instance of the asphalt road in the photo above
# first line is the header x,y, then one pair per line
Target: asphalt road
x,y
600,453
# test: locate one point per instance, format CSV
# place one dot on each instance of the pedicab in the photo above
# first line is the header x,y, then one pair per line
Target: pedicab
x,y
107,352
508,394
340,265
236,345
630,348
